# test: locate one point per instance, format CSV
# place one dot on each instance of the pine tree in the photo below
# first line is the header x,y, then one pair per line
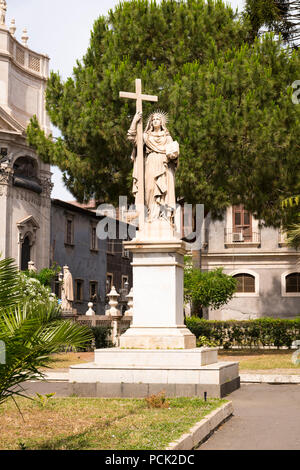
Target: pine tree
x,y
229,102
279,16
139,39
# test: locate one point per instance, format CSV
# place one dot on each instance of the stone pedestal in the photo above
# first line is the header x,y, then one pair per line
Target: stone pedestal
x,y
128,373
157,352
158,269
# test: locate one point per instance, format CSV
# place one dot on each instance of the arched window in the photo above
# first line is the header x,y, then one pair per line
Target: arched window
x,y
26,167
26,174
26,251
245,283
292,283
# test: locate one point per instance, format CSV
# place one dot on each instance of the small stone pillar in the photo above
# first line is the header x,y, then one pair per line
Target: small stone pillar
x,y
113,303
129,312
115,315
12,28
90,312
25,37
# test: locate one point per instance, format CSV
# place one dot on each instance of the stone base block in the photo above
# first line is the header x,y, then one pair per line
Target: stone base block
x,y
158,338
218,373
136,373
136,390
116,358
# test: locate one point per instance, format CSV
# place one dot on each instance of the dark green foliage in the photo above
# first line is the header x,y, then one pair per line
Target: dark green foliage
x,y
208,288
247,333
149,40
10,293
101,336
31,333
229,103
240,130
46,276
279,16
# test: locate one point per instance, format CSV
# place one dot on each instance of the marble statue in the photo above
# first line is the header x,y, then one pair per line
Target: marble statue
x,y
67,295
31,267
3,9
160,163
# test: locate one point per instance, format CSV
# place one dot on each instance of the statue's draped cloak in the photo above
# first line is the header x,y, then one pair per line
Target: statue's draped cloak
x,y
159,172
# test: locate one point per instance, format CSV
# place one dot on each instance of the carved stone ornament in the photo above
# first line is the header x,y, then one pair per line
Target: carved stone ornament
x,y
6,175
47,186
28,226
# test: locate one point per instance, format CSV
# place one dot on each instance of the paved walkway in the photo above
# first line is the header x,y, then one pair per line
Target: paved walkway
x,y
266,417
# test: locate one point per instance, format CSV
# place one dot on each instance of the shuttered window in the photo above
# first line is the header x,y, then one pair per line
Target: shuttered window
x,y
245,283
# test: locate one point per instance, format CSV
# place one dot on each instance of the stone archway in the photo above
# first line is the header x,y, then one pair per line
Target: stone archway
x,y
27,229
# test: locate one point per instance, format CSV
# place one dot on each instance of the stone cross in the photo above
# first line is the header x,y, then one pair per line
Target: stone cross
x,y
139,97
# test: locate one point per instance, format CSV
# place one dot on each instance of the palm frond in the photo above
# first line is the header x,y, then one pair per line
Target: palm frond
x,y
293,236
10,293
31,335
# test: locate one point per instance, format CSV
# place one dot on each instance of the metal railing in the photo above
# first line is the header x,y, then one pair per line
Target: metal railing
x,y
240,237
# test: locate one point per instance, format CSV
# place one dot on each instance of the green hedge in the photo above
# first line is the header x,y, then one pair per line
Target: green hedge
x,y
247,333
101,336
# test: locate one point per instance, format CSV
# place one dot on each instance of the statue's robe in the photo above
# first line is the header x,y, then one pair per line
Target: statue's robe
x,y
159,173
68,292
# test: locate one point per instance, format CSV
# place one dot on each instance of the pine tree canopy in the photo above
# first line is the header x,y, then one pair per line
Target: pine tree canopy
x,y
279,16
228,98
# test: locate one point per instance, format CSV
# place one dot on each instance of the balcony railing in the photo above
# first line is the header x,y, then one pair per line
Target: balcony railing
x,y
240,237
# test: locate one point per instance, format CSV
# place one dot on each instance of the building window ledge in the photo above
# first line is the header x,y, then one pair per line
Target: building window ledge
x,y
246,294
242,244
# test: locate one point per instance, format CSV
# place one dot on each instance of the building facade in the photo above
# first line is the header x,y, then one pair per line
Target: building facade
x,y
266,269
95,264
34,228
25,181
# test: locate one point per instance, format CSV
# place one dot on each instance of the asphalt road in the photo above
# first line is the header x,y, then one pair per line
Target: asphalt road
x,y
266,417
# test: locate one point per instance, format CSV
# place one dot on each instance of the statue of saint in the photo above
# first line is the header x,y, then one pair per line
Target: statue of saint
x,y
67,294
160,162
3,9
31,267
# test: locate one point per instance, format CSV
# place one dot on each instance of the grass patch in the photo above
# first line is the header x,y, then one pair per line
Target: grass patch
x,y
65,360
98,423
260,359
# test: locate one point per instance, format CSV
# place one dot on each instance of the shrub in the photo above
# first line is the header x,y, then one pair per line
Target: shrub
x,y
33,291
208,288
102,336
45,276
158,401
203,341
246,333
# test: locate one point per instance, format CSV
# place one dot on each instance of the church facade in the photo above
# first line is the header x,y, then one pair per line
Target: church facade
x,y
25,181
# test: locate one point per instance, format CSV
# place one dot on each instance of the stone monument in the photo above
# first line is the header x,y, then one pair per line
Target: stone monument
x,y
157,351
158,252
67,293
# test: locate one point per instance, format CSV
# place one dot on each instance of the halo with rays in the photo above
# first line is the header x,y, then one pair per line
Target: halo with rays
x,y
162,114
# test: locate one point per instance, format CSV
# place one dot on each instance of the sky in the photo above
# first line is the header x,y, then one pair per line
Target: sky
x,y
61,29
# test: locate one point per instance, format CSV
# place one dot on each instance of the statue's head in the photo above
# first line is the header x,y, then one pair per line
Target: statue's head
x,y
155,119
